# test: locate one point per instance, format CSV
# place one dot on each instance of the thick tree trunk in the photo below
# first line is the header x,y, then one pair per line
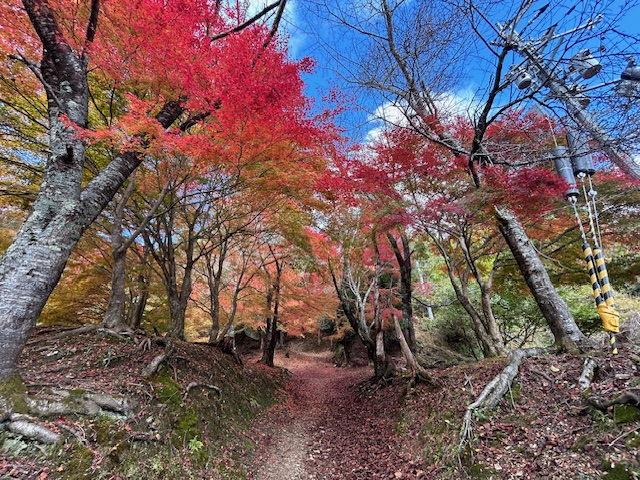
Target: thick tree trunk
x,y
31,267
29,271
553,308
63,210
178,300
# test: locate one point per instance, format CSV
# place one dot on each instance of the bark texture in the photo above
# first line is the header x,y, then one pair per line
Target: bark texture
x,y
403,257
63,209
553,308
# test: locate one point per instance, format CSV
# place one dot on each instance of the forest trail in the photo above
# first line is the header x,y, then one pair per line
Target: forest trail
x,y
326,429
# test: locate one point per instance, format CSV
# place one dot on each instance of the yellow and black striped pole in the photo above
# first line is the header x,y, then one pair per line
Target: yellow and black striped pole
x,y
602,292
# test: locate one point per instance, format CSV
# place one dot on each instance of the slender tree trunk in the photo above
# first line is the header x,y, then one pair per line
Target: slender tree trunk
x,y
271,336
214,280
412,364
490,323
355,315
139,304
489,348
114,316
553,308
383,365
406,287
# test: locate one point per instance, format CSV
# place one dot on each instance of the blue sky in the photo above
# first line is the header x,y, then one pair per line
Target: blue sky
x,y
310,34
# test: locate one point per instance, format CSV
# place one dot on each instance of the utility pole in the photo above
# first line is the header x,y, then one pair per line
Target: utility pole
x,y
538,69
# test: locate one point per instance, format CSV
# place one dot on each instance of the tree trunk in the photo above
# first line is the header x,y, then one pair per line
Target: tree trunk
x,y
33,264
553,308
269,352
139,304
383,365
412,364
178,300
406,289
63,210
214,280
490,323
114,316
489,348
354,315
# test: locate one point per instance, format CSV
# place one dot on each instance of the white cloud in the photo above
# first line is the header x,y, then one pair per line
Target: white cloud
x,y
450,105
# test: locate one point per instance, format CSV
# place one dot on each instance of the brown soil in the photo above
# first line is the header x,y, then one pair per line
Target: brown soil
x,y
332,423
333,426
338,425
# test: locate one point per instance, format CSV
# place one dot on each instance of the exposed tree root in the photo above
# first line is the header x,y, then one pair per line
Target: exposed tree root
x,y
589,369
66,333
120,334
193,385
54,403
158,360
497,388
628,397
25,427
418,373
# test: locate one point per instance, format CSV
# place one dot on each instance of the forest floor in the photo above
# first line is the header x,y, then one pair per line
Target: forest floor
x,y
336,424
327,422
332,426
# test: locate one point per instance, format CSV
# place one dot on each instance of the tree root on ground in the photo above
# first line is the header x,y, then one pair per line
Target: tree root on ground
x,y
63,334
23,425
497,388
627,397
193,385
589,369
158,360
122,335
20,412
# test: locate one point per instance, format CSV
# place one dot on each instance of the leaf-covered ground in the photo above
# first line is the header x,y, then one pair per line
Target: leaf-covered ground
x,y
338,425
174,432
330,423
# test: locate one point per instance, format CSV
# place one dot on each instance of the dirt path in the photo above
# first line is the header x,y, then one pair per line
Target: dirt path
x,y
326,430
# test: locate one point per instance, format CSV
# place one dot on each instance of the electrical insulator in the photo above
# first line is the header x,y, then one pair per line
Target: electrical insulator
x,y
580,157
524,80
632,72
585,64
563,167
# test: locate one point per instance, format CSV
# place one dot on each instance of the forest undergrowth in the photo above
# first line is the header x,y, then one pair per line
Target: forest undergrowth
x,y
201,415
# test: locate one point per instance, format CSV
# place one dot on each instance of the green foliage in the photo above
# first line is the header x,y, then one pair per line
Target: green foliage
x,y
517,313
626,413
579,299
615,471
195,445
